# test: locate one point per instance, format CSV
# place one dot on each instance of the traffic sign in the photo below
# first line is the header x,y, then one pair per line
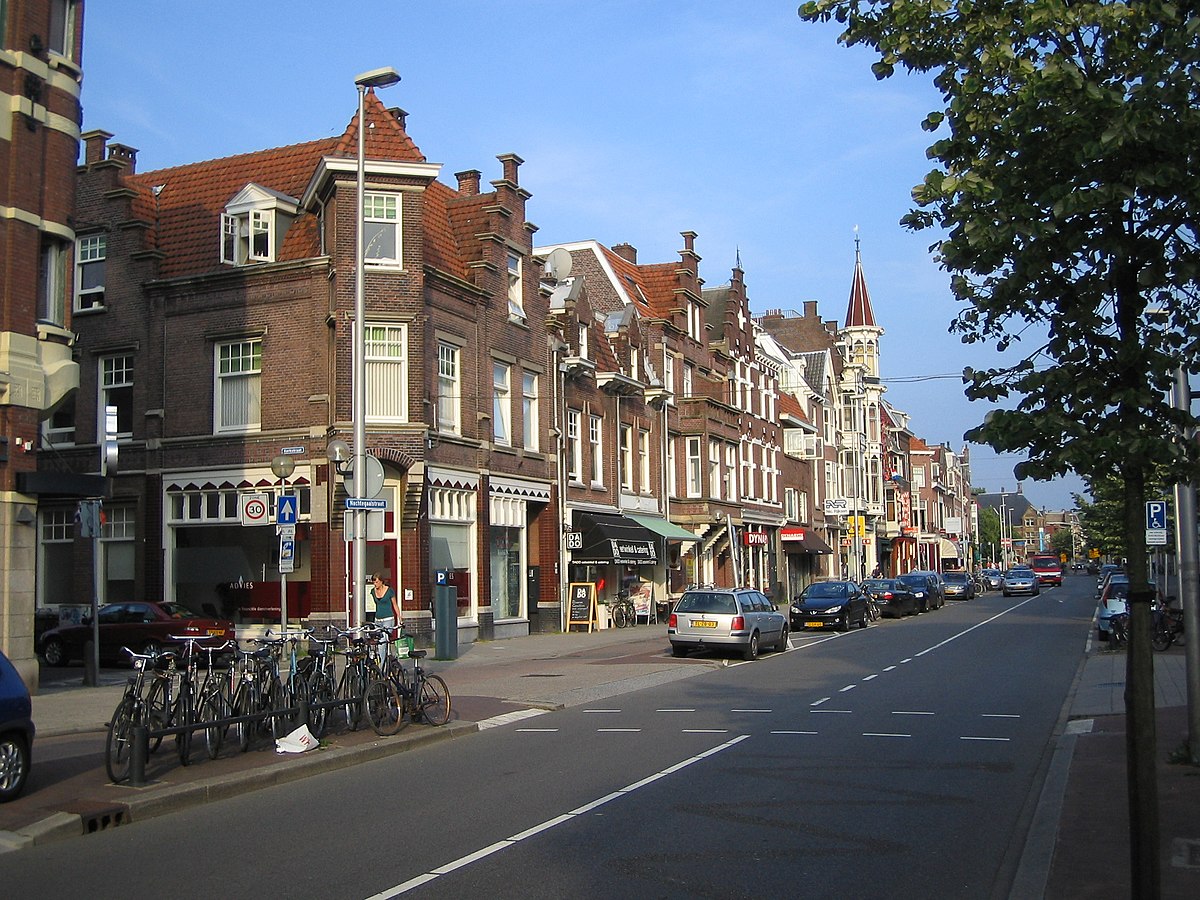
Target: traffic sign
x,y
365,503
1156,514
1156,537
287,556
253,509
285,511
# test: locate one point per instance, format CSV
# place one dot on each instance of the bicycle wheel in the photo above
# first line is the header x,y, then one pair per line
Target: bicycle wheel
x,y
434,700
353,689
1162,638
383,707
620,615
243,705
322,692
183,716
270,700
116,744
212,708
158,716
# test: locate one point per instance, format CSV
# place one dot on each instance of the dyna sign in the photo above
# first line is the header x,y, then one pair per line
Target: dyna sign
x,y
756,538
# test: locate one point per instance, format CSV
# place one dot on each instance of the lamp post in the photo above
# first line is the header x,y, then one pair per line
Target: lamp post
x,y
376,78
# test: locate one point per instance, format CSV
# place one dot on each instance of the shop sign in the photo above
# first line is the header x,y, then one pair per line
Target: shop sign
x,y
755,538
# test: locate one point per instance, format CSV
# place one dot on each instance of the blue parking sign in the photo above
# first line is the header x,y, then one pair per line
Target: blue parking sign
x,y
1156,514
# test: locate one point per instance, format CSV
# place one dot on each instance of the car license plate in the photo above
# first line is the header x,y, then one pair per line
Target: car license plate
x,y
216,632
701,623
813,624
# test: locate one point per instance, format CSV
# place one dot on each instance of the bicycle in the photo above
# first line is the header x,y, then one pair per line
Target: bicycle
x,y
320,682
132,710
361,669
420,695
623,611
1168,627
196,701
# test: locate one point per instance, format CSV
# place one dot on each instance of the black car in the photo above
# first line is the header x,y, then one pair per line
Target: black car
x,y
927,589
16,732
893,597
830,604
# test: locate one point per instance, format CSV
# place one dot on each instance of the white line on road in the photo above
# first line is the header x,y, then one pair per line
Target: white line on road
x,y
885,734
889,668
601,710
848,687
680,709
911,712
971,738
795,732
705,731
538,730
845,712
752,710
514,716
1000,716
544,826
819,702
871,677
617,730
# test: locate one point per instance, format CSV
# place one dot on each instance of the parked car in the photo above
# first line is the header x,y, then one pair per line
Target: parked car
x,y
1020,580
141,626
959,586
925,588
1115,599
893,597
1048,570
830,604
1105,571
991,578
16,732
741,619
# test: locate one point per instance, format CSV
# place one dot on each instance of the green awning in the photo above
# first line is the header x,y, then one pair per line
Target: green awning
x,y
669,530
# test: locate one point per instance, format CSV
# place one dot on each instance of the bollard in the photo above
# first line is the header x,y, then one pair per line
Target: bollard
x,y
303,716
139,753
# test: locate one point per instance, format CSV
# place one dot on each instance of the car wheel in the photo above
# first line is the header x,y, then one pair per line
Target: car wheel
x,y
14,766
844,624
865,621
54,652
678,651
1007,594
751,651
783,640
1101,635
152,648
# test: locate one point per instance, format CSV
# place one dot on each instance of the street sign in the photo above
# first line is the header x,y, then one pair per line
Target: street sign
x,y
292,451
287,556
253,509
285,511
1156,515
365,503
1156,537
834,507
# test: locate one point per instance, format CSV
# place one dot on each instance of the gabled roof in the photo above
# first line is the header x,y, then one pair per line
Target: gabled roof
x,y
790,406
859,313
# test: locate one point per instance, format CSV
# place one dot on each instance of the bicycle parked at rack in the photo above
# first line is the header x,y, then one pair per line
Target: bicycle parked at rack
x,y
361,669
418,695
1168,627
132,709
195,700
623,611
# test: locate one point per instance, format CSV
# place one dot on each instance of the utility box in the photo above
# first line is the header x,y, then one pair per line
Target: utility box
x,y
445,611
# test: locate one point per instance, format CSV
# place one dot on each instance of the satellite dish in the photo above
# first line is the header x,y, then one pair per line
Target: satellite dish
x,y
558,264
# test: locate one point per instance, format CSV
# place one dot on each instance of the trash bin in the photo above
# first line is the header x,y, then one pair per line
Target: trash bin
x,y
445,610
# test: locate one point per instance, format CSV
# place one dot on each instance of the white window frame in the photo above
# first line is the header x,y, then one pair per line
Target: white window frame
x,y
237,362
791,504
386,361
516,289
530,423
731,482
574,446
502,403
627,458
381,214
248,237
583,340
596,443
449,401
714,468
114,376
644,461
91,253
60,38
669,375
52,280
695,473
687,380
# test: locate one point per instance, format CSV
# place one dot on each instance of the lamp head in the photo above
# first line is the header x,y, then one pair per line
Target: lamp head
x,y
338,452
378,78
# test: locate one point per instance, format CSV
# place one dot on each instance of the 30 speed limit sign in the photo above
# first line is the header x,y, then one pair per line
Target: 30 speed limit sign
x,y
254,509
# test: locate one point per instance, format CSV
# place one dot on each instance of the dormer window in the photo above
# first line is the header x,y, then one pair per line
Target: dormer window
x,y
253,225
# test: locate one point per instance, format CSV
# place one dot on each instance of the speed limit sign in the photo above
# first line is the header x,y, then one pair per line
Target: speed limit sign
x,y
254,509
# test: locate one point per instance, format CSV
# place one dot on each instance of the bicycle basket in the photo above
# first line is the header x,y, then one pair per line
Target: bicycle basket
x,y
403,646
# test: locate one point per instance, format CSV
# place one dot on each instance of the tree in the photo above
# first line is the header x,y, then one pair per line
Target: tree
x,y
1066,191
989,534
1062,543
1102,518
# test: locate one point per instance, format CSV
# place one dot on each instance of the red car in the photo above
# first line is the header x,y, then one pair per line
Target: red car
x,y
1048,569
140,626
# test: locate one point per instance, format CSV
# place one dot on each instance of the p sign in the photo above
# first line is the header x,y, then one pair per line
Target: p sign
x,y
254,509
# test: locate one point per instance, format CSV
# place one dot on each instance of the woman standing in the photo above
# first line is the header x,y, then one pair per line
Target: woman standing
x,y
387,609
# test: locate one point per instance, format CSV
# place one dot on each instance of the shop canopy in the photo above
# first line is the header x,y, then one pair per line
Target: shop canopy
x,y
803,539
608,538
669,530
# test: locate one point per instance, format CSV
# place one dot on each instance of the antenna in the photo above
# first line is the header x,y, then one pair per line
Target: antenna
x,y
558,264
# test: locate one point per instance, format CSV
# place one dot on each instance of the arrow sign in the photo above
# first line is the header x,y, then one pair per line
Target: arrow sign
x,y
285,512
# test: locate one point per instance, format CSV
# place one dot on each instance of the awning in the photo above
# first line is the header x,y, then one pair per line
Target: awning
x,y
607,538
804,540
948,549
669,530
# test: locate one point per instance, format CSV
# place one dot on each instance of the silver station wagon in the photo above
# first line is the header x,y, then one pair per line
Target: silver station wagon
x,y
741,619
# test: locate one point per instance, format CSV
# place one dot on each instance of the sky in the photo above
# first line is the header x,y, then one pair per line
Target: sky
x,y
637,121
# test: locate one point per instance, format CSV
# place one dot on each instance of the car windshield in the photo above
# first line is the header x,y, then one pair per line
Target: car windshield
x,y
178,611
956,577
836,589
878,584
707,602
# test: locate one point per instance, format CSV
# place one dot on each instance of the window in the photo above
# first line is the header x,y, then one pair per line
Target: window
x,y
386,360
574,447
238,390
714,469
529,410
687,380
595,436
731,491
918,476
248,237
116,389
516,301
61,39
644,460
118,532
669,375
501,404
626,458
89,272
59,429
791,504
56,555
52,281
583,340
381,229
449,393
695,476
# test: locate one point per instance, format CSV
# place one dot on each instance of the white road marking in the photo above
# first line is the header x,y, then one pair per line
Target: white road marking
x,y
505,718
537,730
848,687
972,738
601,710
911,712
819,702
889,668
795,732
885,734
871,677
617,730
705,731
407,886
681,709
1000,716
845,712
752,710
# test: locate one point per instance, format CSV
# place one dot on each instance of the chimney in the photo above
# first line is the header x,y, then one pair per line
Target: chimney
x,y
399,115
810,309
94,146
468,182
627,252
511,163
125,154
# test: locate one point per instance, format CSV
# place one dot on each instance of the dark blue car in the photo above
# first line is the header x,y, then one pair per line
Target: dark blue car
x,y
16,732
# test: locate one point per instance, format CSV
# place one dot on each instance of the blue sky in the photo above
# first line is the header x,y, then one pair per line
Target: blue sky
x,y
636,120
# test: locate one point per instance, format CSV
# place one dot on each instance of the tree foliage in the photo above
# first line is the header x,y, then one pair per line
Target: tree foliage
x,y
1101,517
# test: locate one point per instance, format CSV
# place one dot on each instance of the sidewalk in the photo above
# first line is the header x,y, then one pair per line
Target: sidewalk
x,y
1077,846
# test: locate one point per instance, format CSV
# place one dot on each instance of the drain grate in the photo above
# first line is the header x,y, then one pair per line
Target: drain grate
x,y
100,816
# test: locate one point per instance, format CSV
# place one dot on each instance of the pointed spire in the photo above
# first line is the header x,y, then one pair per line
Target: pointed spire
x,y
859,313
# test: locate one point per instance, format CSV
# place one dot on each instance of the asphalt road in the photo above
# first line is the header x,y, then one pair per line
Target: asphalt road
x,y
899,761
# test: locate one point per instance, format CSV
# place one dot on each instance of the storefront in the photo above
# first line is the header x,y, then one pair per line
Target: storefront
x,y
802,552
512,556
613,552
674,544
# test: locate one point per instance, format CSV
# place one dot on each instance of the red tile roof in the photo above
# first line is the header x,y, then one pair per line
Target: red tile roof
x,y
859,312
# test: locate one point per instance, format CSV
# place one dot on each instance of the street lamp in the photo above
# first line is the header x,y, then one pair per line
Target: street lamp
x,y
376,78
